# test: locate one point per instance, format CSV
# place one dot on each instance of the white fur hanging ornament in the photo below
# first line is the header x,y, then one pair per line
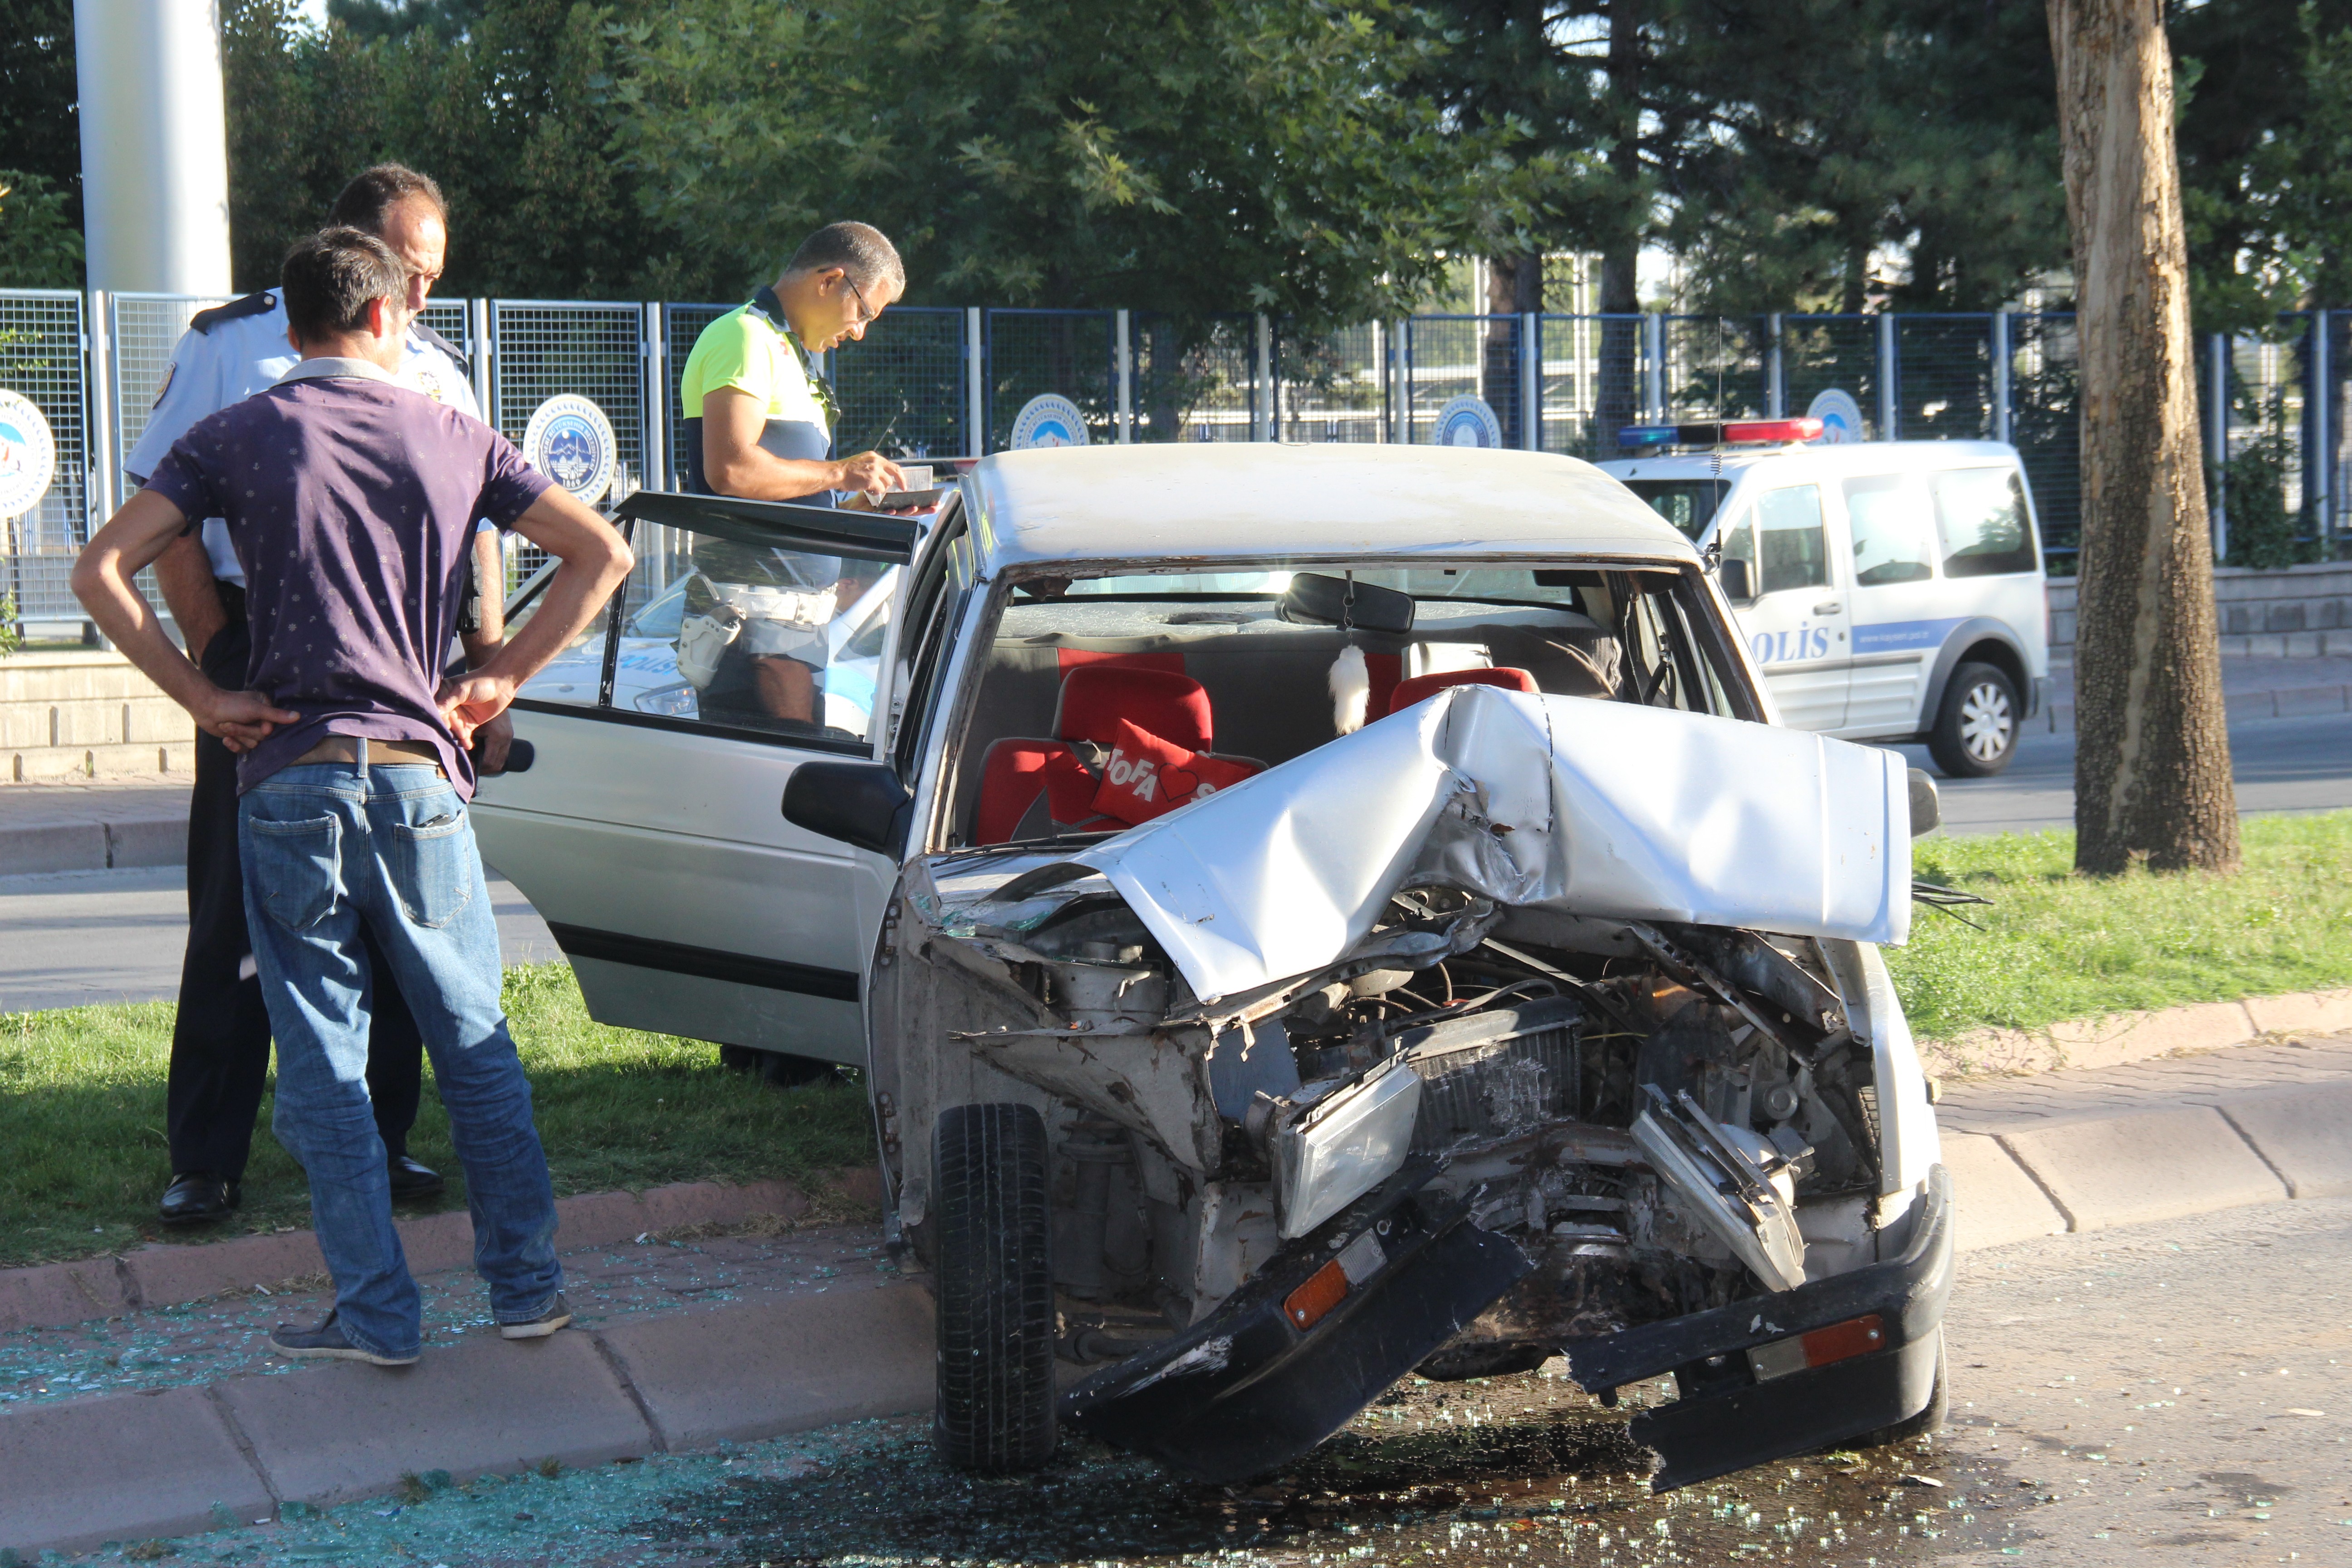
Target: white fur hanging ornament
x,y
1351,690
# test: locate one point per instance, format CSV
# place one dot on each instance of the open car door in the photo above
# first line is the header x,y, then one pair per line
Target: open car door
x,y
751,637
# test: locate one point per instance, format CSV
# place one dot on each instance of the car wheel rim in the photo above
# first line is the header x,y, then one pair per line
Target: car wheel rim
x,y
1986,723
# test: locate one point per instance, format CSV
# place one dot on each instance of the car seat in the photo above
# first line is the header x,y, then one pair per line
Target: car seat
x,y
1422,688
1048,786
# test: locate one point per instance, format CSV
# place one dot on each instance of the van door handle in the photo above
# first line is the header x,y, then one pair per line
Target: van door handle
x,y
1831,608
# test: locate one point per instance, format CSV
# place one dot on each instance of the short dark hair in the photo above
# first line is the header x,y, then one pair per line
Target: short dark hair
x,y
330,279
368,198
857,248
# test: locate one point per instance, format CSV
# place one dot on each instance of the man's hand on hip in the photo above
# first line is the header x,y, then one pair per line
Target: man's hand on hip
x,y
472,701
492,740
242,720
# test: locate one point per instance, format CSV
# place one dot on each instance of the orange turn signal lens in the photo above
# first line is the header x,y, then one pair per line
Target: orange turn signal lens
x,y
1324,1290
1839,1342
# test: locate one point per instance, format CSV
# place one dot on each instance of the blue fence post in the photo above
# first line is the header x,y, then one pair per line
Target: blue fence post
x,y
2319,462
2219,382
1890,402
2000,371
1776,380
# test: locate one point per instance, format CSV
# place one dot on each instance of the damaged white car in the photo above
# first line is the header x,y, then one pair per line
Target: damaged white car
x,y
1324,913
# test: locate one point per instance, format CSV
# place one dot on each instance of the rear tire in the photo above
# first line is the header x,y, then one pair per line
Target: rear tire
x,y
996,1285
1976,733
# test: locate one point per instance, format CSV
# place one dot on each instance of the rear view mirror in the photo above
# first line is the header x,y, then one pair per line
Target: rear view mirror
x,y
858,802
1731,574
1927,807
1321,601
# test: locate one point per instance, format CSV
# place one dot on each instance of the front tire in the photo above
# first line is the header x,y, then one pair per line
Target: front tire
x,y
1976,733
996,1285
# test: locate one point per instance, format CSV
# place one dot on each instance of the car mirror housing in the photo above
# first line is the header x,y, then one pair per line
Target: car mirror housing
x,y
858,802
1927,807
1731,573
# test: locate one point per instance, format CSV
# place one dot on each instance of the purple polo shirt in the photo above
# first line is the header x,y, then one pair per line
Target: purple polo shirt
x,y
351,502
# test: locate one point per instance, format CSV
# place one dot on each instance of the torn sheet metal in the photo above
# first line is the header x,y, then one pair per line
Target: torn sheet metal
x,y
1589,806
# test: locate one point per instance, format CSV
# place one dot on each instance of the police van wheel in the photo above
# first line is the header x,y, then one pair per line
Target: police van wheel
x,y
995,1288
1976,734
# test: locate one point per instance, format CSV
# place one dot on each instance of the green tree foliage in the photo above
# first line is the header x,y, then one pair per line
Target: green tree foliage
x,y
502,102
40,247
1196,158
2266,141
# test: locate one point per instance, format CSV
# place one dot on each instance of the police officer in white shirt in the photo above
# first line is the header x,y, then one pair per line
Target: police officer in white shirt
x,y
220,1043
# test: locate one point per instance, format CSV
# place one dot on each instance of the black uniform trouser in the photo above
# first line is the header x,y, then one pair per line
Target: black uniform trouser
x,y
220,1044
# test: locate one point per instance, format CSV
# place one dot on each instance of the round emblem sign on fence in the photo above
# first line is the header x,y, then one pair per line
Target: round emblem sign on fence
x,y
1840,414
1468,422
570,440
1049,419
28,455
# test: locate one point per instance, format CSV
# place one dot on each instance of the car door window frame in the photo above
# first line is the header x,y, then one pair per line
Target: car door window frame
x,y
782,525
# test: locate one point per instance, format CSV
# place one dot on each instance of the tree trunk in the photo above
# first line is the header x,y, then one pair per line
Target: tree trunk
x,y
2152,749
1514,286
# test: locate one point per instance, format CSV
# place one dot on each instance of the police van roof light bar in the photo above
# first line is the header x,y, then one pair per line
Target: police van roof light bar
x,y
1732,433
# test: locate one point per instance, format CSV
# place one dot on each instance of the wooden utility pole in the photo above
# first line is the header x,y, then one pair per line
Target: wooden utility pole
x,y
2151,746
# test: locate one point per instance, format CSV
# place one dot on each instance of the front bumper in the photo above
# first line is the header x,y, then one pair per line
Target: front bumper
x,y
1727,1419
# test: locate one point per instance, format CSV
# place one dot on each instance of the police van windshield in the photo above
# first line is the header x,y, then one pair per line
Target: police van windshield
x,y
1688,504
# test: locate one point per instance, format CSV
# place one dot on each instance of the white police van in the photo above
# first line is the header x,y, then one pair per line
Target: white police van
x,y
1889,591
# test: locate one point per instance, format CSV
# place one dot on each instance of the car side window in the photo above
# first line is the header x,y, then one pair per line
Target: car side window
x,y
1792,547
1737,539
1982,513
574,676
736,636
1892,528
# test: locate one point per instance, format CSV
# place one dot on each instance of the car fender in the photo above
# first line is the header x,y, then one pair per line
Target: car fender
x,y
1967,635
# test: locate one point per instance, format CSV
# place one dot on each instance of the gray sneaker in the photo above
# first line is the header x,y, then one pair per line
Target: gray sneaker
x,y
328,1340
558,1314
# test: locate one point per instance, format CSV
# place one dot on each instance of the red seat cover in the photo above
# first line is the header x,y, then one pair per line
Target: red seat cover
x,y
1097,693
1422,688
1096,697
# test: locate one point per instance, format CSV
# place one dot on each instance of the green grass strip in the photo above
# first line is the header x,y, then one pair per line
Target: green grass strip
x,y
2057,946
81,1121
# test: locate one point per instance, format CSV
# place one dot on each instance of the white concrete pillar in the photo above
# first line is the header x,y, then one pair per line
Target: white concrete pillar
x,y
155,145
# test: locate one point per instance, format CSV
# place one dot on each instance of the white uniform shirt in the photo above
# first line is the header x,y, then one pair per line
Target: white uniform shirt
x,y
242,350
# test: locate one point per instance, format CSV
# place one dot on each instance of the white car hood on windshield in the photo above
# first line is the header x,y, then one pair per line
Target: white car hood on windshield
x,y
1587,806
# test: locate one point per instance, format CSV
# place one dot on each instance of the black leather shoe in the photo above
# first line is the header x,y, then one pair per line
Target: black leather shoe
x,y
197,1198
411,1180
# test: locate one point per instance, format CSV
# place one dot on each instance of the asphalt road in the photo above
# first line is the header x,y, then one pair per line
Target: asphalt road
x,y
2281,765
79,937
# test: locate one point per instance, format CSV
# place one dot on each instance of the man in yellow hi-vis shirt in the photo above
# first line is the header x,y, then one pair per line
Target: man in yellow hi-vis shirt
x,y
759,424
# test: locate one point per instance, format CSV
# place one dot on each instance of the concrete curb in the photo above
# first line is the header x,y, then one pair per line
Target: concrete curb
x,y
2115,1038
129,1467
2244,707
57,1295
93,846
2132,1167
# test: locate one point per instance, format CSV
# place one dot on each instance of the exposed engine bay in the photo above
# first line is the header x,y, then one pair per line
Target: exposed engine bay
x,y
1485,1129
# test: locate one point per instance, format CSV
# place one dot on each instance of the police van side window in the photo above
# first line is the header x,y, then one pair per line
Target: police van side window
x,y
1893,536
1983,514
1792,549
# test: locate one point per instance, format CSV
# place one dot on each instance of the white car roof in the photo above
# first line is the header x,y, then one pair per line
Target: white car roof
x,y
1838,460
1233,501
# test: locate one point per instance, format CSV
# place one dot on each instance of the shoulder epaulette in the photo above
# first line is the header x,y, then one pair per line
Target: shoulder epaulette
x,y
439,341
260,304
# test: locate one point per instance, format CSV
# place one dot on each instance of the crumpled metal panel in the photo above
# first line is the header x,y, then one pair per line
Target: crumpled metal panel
x,y
1589,806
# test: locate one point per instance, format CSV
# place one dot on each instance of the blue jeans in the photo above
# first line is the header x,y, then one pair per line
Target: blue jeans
x,y
327,849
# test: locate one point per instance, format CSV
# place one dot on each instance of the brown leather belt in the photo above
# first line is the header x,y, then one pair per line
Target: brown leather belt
x,y
380,753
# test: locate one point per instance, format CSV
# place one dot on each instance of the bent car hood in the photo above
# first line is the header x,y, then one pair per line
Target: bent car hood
x,y
1589,807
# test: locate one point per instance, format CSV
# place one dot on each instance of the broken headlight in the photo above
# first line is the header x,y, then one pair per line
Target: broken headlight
x,y
1343,1146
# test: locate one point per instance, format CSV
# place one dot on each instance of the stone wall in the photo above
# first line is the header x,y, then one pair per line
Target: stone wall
x,y
91,714
2297,612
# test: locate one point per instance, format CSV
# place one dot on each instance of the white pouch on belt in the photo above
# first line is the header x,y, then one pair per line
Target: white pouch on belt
x,y
702,641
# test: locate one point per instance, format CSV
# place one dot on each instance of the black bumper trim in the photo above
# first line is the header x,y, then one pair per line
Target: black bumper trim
x,y
1908,1292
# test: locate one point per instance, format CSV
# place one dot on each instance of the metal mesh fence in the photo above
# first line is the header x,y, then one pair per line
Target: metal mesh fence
x,y
681,324
1194,384
2330,457
1715,367
2045,426
1822,352
1335,387
901,389
145,330
1072,352
546,347
1593,372
41,359
1943,378
1444,359
2264,489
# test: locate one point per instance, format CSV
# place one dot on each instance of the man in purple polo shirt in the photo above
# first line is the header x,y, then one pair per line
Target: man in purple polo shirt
x,y
351,502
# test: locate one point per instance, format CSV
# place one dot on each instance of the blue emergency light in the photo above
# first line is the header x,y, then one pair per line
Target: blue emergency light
x,y
1728,433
